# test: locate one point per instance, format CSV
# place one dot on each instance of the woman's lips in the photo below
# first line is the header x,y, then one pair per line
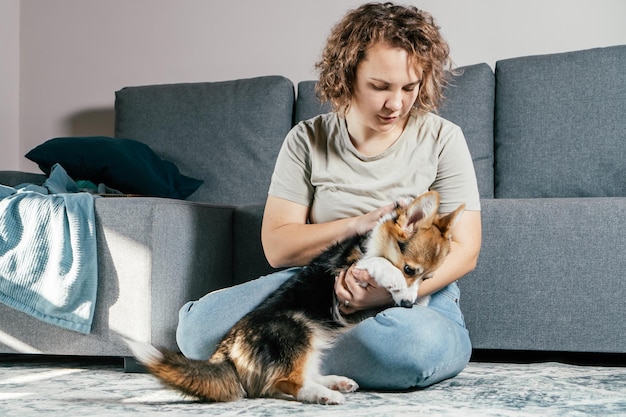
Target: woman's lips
x,y
388,119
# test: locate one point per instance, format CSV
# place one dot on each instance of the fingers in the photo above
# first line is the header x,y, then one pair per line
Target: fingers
x,y
369,220
356,290
366,293
341,289
344,295
362,278
383,211
347,309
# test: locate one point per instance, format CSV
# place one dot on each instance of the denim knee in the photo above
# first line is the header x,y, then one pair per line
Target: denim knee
x,y
401,348
190,346
203,323
428,347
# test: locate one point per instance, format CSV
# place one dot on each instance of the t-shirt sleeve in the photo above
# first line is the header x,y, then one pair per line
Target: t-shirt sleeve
x,y
291,179
456,178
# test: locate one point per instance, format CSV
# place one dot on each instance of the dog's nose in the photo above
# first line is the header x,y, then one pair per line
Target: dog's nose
x,y
406,303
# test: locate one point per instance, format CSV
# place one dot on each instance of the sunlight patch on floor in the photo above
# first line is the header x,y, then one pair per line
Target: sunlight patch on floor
x,y
38,376
164,395
13,396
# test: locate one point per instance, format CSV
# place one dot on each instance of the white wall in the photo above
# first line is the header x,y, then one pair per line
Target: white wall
x,y
9,83
76,53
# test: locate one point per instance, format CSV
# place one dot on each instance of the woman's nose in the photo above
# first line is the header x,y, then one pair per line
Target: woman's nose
x,y
394,101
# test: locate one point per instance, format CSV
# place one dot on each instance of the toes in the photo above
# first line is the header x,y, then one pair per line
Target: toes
x,y
339,383
346,385
316,393
333,398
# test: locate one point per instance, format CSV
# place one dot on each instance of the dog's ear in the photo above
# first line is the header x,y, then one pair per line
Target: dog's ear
x,y
421,212
447,222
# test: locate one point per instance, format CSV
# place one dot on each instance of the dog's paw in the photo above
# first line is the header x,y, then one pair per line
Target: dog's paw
x,y
318,394
331,398
339,383
384,273
391,278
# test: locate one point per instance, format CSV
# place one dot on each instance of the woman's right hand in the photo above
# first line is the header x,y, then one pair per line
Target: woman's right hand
x,y
289,240
368,221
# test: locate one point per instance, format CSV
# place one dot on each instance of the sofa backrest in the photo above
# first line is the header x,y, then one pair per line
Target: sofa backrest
x,y
225,133
469,104
561,125
307,103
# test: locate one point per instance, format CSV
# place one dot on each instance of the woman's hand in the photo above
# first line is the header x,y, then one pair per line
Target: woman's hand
x,y
367,221
288,239
357,291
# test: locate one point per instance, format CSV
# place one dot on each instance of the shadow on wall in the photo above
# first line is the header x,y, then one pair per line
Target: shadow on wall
x,y
92,122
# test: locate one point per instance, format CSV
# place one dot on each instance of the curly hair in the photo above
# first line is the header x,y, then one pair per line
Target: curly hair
x,y
404,27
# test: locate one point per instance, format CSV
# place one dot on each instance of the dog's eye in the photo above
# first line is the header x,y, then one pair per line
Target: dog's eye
x,y
409,270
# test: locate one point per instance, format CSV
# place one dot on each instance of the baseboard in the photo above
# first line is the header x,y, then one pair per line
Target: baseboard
x,y
534,356
131,366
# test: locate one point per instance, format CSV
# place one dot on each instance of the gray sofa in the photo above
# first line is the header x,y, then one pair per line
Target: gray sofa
x,y
548,138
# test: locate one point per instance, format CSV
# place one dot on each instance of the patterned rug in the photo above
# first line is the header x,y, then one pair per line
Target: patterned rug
x,y
88,387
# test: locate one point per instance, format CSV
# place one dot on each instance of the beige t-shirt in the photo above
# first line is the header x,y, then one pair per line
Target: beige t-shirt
x,y
319,167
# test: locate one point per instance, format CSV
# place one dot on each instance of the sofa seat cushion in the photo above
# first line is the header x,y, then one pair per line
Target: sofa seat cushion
x,y
560,125
549,277
226,133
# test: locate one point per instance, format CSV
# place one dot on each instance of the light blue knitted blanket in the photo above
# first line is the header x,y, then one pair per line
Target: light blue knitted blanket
x,y
48,261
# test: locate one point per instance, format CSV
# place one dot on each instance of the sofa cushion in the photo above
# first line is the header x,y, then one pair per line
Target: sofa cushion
x,y
225,133
549,277
560,125
469,104
124,164
307,103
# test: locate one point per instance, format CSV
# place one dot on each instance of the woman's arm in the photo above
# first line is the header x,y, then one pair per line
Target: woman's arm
x,y
466,242
289,240
463,256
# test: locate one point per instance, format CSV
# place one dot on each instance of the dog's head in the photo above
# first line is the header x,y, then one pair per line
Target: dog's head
x,y
414,237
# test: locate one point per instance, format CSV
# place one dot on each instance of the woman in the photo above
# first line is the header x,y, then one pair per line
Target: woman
x,y
383,69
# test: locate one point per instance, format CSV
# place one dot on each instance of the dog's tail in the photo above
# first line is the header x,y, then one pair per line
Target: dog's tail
x,y
206,380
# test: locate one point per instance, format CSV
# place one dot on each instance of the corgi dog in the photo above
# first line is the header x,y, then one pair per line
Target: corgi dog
x,y
276,349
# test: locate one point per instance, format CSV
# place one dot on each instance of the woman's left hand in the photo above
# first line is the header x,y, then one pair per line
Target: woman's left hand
x,y
357,291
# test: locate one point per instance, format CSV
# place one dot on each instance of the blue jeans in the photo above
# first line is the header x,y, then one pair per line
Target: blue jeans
x,y
399,348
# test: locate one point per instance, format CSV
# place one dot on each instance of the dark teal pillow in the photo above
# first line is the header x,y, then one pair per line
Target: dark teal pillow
x,y
124,164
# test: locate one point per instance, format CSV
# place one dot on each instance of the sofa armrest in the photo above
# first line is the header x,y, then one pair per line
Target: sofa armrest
x,y
156,254
550,276
13,178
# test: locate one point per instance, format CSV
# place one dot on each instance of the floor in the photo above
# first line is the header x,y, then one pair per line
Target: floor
x,y
52,386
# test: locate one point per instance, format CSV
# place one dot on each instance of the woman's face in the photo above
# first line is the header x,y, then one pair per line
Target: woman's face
x,y
385,89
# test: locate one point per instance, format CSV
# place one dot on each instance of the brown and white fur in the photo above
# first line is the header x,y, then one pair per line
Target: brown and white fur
x,y
276,349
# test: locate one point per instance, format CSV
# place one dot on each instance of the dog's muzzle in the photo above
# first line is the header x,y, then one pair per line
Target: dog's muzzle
x,y
406,303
